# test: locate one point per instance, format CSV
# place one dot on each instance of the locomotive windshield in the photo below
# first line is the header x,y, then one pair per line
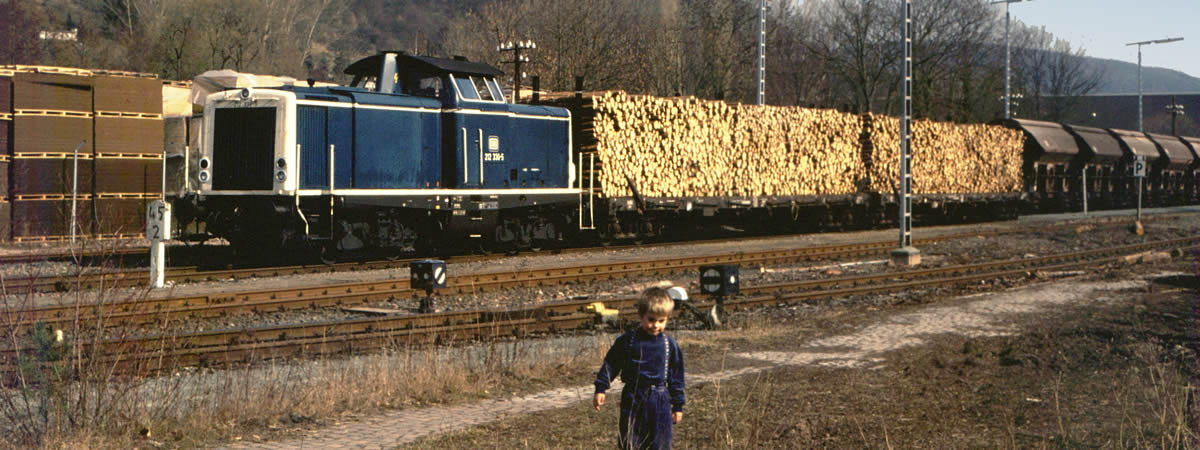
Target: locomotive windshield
x,y
478,88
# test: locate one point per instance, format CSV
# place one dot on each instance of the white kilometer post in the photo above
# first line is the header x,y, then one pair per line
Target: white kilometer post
x,y
158,230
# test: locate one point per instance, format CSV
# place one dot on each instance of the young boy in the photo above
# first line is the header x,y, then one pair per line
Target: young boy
x,y
651,365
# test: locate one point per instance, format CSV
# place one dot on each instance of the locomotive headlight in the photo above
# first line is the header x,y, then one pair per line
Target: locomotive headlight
x,y
281,163
245,94
204,163
280,176
203,176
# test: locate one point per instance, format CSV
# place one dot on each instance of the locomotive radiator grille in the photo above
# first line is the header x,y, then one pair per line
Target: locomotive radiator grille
x,y
243,149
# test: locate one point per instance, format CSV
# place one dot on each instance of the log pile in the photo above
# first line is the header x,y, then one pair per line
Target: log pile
x,y
947,158
675,147
683,147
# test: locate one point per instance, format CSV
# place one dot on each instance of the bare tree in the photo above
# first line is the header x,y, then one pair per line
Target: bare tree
x,y
1051,75
795,73
574,37
19,26
859,45
951,42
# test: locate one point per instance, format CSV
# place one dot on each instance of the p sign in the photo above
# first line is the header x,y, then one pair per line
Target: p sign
x,y
1139,166
158,221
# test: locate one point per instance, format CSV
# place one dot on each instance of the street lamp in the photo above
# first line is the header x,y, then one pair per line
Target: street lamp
x,y
1007,55
518,58
1139,46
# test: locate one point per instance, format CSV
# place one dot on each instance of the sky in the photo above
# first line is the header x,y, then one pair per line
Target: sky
x,y
1103,27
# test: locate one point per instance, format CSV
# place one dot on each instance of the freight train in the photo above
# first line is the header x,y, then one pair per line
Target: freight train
x,y
422,153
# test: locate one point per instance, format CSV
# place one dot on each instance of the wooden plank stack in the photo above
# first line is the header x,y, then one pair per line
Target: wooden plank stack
x,y
683,147
116,116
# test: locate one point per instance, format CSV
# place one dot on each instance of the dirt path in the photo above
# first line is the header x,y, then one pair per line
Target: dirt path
x,y
988,314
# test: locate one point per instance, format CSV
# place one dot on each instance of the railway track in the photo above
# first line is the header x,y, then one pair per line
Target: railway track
x,y
192,274
148,311
156,310
221,347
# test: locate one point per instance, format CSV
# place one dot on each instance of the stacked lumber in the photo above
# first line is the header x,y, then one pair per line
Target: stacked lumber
x,y
947,158
677,147
87,140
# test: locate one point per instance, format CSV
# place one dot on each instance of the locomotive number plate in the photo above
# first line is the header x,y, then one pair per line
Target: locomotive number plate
x,y
493,157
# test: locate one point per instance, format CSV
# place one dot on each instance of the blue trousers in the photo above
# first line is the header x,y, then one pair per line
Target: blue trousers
x,y
645,418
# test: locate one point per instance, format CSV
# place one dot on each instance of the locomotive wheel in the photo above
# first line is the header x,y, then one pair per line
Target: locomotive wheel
x,y
545,236
329,254
607,233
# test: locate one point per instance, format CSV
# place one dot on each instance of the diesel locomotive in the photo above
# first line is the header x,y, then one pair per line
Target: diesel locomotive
x,y
418,152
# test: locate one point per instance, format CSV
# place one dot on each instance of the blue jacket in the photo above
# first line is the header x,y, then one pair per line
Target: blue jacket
x,y
641,360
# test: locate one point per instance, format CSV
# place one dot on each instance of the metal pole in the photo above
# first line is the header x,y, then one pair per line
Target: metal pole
x,y
1007,63
517,74
906,254
1140,129
906,104
762,53
1139,214
1085,191
75,189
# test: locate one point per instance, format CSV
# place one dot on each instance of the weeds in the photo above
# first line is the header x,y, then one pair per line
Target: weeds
x,y
1166,394
60,390
743,419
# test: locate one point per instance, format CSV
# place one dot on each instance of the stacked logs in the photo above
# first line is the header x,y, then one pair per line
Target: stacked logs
x,y
688,147
947,158
682,147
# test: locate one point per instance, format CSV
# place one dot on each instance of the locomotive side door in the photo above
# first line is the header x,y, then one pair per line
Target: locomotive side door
x,y
479,133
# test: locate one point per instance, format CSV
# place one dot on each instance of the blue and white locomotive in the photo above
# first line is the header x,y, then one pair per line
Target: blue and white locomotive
x,y
418,151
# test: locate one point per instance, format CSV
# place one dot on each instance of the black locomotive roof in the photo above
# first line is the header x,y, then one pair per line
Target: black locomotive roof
x,y
410,63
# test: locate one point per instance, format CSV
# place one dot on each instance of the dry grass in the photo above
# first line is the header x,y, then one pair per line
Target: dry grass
x,y
189,408
63,396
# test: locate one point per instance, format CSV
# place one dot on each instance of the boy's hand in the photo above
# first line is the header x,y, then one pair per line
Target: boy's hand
x,y
677,416
598,401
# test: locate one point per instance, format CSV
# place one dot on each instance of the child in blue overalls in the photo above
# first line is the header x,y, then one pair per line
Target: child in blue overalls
x,y
651,365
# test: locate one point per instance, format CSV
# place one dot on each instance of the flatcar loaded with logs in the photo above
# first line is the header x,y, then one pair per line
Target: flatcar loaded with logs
x,y
422,153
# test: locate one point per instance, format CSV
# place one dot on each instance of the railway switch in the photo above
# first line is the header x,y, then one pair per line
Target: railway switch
x,y
427,274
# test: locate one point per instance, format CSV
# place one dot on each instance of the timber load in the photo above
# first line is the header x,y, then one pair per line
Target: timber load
x,y
947,158
687,147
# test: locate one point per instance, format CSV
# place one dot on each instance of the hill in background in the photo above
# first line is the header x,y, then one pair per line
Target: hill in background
x,y
1120,77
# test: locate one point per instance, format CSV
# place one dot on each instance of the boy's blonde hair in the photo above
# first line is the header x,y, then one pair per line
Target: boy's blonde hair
x,y
655,300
